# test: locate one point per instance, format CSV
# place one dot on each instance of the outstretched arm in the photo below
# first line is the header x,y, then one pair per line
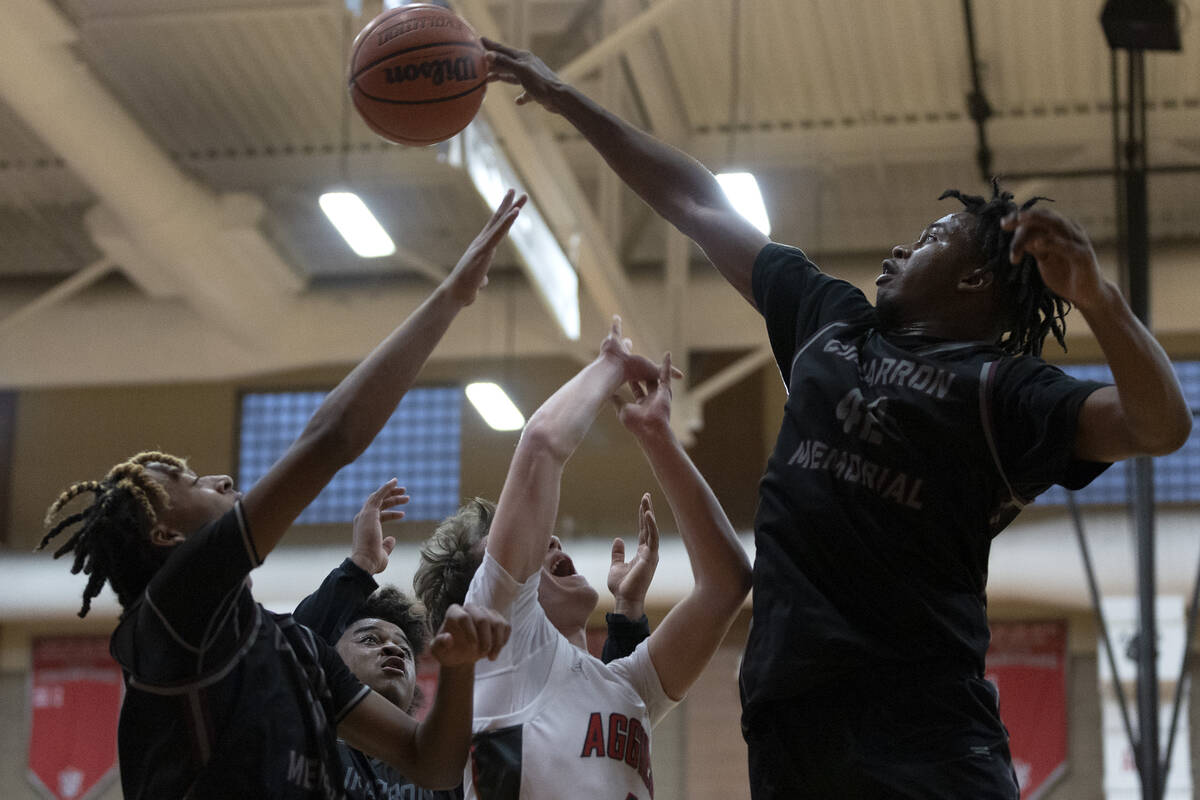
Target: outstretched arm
x,y
433,752
691,632
1145,412
351,415
528,506
679,188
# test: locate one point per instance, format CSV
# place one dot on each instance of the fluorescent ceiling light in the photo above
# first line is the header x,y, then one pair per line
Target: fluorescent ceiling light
x,y
546,265
742,190
494,406
357,225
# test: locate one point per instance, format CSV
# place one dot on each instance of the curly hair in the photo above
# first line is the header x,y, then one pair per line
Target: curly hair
x,y
112,540
1032,309
450,557
390,604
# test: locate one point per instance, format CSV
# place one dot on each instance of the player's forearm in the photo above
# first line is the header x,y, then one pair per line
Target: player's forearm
x,y
528,503
669,180
558,427
443,738
324,611
1152,402
719,564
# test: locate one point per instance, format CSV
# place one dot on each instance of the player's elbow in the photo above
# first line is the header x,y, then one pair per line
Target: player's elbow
x,y
443,776
440,769
540,440
1173,435
724,595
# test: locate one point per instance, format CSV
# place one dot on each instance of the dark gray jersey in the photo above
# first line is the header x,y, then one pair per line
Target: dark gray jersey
x,y
223,698
899,458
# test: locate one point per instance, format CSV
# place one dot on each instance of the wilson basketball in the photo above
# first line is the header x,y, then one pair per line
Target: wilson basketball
x,y
417,74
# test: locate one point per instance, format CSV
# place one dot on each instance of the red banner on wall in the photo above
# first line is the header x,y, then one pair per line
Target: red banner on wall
x,y
74,699
1027,663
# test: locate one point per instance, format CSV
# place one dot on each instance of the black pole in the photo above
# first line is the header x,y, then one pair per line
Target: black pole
x,y
977,104
1184,678
1094,588
1137,251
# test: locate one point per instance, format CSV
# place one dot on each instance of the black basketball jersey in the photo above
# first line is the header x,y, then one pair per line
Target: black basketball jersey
x,y
326,612
223,698
899,458
367,778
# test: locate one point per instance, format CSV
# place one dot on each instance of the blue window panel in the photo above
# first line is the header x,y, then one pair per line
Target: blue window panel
x,y
420,445
1176,476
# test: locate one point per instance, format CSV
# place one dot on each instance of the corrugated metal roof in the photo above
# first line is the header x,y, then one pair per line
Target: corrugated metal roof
x,y
853,112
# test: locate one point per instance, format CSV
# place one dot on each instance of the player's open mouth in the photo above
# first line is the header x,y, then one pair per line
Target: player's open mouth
x,y
562,567
394,664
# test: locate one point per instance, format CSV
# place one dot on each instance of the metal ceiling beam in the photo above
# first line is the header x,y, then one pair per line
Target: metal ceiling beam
x,y
616,42
61,291
917,142
549,178
208,246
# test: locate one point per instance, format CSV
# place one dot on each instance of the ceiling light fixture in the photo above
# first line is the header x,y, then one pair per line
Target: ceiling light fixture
x,y
545,263
742,190
497,410
357,225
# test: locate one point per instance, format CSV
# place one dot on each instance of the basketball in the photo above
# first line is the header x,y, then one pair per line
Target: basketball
x,y
417,74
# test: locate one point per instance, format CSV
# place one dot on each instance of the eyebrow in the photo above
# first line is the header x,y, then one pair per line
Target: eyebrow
x,y
371,626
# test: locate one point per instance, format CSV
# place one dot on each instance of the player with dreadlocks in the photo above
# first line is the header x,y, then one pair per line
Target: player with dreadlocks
x,y
914,431
224,699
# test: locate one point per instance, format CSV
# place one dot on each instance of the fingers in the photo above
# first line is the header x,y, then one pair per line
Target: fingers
x,y
376,498
397,497
618,551
491,631
647,523
640,368
457,626
1038,232
389,544
504,205
469,633
497,47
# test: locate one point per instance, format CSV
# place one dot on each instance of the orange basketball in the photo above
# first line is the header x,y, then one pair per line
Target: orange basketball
x,y
417,74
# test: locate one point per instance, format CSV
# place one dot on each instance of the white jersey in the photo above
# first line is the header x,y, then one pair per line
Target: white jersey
x,y
551,720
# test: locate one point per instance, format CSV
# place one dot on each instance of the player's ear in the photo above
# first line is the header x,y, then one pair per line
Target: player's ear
x,y
162,536
977,280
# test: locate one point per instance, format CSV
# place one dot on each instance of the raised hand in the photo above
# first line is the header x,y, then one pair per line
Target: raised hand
x,y
520,67
1063,252
469,633
470,274
371,549
650,410
629,580
620,350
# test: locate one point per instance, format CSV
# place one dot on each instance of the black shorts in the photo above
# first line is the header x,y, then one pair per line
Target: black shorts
x,y
853,741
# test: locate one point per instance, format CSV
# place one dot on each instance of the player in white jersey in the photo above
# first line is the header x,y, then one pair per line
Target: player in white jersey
x,y
551,720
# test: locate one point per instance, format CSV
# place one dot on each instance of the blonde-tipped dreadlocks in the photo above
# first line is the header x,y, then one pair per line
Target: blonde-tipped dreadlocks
x,y
112,541
1033,309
